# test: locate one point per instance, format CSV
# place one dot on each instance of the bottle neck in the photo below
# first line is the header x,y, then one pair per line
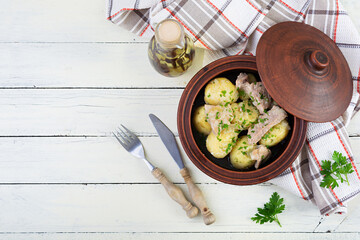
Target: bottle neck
x,y
170,34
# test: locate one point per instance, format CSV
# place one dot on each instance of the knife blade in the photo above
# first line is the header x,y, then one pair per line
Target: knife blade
x,y
168,138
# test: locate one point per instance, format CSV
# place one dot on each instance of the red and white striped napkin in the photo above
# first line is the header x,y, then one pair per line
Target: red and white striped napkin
x,y
232,27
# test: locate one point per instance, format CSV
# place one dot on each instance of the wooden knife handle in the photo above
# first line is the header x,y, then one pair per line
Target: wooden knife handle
x,y
198,197
175,193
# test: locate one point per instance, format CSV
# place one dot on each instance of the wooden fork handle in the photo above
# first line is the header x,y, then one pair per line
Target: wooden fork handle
x,y
198,197
175,193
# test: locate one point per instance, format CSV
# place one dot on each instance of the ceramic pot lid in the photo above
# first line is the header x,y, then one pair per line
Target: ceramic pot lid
x,y
304,71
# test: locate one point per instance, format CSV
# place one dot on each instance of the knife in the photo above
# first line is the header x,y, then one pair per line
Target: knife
x,y
168,138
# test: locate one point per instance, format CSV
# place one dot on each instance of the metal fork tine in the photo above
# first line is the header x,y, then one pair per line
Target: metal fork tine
x,y
129,132
120,140
125,137
131,143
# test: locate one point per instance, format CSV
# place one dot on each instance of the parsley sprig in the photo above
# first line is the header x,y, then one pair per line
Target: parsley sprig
x,y
270,211
336,170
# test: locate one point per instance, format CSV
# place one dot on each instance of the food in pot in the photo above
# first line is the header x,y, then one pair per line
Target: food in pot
x,y
245,115
220,91
265,122
220,145
276,134
240,155
251,78
200,121
255,91
224,119
219,116
260,154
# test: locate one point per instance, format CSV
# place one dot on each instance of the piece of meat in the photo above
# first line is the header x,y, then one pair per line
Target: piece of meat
x,y
241,79
260,154
265,122
260,97
219,117
256,91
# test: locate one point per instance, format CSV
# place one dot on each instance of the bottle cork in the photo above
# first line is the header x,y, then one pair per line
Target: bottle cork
x,y
169,33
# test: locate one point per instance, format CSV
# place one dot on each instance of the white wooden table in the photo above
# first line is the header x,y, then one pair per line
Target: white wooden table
x,y
68,78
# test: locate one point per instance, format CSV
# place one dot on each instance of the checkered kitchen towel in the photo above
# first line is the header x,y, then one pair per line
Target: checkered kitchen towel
x,y
231,27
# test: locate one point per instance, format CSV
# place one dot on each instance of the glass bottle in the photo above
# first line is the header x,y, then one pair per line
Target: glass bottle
x,y
170,51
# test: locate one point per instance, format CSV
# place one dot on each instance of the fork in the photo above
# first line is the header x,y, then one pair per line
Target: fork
x,y
133,145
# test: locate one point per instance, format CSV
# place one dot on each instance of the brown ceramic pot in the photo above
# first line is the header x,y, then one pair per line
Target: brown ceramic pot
x,y
283,154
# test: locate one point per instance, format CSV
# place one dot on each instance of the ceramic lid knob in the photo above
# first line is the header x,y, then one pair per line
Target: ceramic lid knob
x,y
318,60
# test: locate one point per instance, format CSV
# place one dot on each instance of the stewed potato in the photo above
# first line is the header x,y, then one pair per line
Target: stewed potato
x,y
245,114
220,91
200,121
240,154
276,134
220,145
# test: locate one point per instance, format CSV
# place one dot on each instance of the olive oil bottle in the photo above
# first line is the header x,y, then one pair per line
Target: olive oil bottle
x,y
171,51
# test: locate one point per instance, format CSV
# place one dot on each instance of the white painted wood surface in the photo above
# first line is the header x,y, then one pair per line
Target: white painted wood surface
x,y
68,78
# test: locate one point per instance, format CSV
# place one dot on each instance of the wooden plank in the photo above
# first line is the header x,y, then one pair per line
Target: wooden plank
x,y
63,21
351,221
178,236
84,21
143,208
86,160
91,160
354,126
94,112
94,65
85,112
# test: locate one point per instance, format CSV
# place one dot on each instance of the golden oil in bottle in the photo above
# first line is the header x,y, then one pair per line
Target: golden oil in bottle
x,y
171,51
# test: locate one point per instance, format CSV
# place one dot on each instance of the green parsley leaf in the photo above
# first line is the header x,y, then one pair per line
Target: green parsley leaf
x,y
335,171
270,211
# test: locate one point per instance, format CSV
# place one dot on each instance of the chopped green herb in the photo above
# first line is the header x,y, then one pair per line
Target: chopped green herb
x,y
242,93
262,120
243,107
261,96
230,145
